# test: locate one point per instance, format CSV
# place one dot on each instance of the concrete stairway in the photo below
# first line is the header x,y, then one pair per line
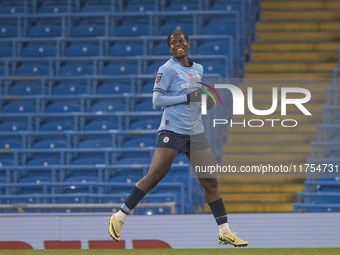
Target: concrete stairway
x,y
295,39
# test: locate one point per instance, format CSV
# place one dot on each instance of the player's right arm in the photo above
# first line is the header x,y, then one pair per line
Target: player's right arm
x,y
162,85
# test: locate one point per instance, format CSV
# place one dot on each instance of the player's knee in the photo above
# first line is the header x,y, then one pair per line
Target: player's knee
x,y
210,184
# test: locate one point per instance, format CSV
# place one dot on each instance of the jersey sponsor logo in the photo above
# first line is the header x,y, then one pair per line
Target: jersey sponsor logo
x,y
166,139
159,77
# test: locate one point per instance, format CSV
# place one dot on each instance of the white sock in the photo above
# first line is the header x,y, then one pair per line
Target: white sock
x,y
223,228
120,215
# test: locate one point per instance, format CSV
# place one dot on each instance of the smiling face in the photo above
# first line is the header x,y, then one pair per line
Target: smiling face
x,y
178,45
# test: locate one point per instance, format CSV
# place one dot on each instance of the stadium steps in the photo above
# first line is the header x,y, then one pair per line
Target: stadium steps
x,y
299,5
290,67
232,207
279,137
294,39
297,15
273,194
291,75
298,48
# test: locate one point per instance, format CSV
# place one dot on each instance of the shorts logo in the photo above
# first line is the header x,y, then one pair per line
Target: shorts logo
x,y
166,139
159,77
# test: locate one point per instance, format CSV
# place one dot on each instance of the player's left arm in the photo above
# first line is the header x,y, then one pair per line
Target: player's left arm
x,y
161,100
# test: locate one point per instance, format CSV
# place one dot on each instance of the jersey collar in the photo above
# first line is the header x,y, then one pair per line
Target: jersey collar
x,y
191,62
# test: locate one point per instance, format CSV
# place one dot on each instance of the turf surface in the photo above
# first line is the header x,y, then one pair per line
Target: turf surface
x,y
228,251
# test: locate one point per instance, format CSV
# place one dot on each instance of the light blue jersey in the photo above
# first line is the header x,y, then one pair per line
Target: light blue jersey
x,y
173,79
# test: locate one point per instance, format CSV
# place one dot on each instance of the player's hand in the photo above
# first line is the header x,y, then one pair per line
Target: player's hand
x,y
210,103
194,96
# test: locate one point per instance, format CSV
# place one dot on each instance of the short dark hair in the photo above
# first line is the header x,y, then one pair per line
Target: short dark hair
x,y
177,32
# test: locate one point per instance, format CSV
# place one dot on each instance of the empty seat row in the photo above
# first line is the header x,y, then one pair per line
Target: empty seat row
x,y
123,25
79,49
88,67
64,6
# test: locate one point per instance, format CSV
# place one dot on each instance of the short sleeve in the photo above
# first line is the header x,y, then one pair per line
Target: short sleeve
x,y
163,79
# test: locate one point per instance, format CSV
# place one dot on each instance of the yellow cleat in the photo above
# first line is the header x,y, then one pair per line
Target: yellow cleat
x,y
115,227
231,238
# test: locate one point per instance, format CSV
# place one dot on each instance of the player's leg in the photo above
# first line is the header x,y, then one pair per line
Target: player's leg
x,y
160,166
204,158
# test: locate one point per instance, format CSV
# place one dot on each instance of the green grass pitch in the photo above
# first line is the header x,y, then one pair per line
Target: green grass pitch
x,y
234,251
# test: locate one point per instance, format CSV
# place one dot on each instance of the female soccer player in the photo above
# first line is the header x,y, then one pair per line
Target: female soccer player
x,y
181,126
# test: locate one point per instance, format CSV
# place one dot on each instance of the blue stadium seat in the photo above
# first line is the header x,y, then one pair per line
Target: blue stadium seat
x,y
134,160
36,178
46,161
5,50
69,89
6,162
167,28
51,6
161,49
48,30
9,144
153,68
39,51
147,88
25,89
132,30
89,161
69,200
12,7
145,124
98,6
76,69
57,126
120,69
18,108
214,68
87,30
18,200
96,143
32,70
8,31
53,9
182,7
101,125
220,29
63,107
227,6
2,70
49,144
125,178
108,107
126,49
85,49
181,159
118,88
214,48
142,7
13,127
146,106
140,142
83,179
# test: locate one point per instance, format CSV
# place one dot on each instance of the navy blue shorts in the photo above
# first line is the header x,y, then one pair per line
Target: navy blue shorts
x,y
182,143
